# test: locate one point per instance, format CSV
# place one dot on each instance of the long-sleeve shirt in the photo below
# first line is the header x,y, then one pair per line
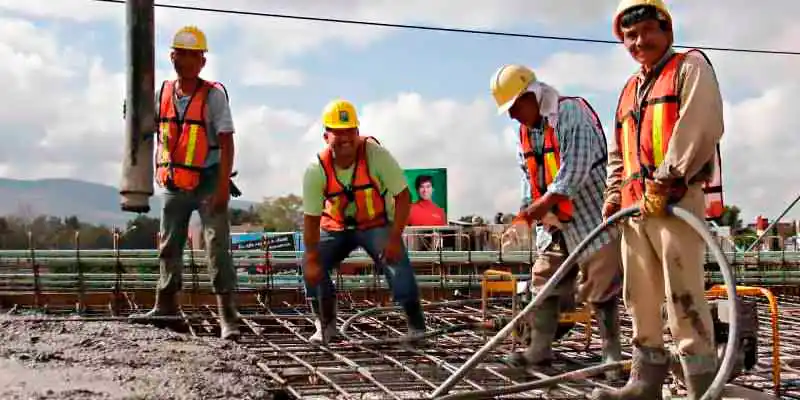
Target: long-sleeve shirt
x,y
581,176
699,128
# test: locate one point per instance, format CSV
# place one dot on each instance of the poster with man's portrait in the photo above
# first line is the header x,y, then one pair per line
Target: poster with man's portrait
x,y
428,187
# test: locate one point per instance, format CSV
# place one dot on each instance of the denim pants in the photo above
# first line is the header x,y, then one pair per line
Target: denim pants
x,y
335,247
178,208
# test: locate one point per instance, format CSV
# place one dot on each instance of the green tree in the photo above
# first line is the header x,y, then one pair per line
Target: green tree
x,y
281,214
730,217
140,233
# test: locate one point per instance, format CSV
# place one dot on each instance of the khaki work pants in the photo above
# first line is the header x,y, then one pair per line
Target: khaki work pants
x,y
663,257
597,279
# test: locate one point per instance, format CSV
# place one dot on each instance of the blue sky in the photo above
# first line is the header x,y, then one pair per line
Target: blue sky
x,y
424,94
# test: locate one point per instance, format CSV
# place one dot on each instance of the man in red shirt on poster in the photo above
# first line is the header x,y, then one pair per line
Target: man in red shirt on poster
x,y
425,212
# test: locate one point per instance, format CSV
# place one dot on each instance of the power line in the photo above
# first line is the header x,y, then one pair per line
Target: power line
x,y
445,29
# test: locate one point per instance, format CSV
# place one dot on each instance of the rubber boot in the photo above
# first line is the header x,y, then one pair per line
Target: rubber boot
x,y
698,385
544,324
608,318
650,367
229,316
166,305
415,321
699,374
325,310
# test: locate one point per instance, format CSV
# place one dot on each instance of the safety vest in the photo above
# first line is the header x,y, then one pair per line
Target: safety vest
x,y
550,159
363,190
182,142
643,134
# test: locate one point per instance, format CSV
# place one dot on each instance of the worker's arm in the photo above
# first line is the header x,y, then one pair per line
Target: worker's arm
x,y
313,201
393,180
614,171
575,131
699,127
524,182
219,113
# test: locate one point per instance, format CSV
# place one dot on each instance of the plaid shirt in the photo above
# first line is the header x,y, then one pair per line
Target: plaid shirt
x,y
582,146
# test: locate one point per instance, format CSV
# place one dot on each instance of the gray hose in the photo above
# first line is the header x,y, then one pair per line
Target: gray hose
x,y
699,226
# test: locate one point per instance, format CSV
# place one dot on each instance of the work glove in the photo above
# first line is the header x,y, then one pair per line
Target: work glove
x,y
655,200
235,192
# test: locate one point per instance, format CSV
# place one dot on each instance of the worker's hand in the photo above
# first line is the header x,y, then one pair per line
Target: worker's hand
x,y
393,251
312,270
655,200
610,208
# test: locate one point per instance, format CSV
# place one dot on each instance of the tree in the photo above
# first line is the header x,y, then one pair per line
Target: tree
x,y
281,214
140,233
730,217
241,217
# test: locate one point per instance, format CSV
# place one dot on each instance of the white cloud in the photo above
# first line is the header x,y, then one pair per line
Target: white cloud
x,y
66,105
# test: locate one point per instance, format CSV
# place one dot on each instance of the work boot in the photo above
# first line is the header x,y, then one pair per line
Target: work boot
x,y
415,321
698,384
650,367
699,372
229,316
608,318
325,310
543,326
166,305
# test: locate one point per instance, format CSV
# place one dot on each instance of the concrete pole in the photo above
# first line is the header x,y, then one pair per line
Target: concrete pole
x,y
136,187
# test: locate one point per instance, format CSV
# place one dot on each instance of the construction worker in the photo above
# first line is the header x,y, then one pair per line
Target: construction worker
x,y
355,195
193,163
562,155
668,127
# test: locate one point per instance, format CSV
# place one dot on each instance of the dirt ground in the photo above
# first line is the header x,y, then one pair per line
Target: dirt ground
x,y
112,360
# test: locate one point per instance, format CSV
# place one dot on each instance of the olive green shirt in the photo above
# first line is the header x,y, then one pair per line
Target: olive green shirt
x,y
383,168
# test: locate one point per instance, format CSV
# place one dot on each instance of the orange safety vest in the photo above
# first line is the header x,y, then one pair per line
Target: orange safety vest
x,y
182,142
643,133
550,159
363,190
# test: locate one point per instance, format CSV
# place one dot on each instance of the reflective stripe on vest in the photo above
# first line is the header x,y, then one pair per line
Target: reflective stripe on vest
x,y
363,190
643,132
183,142
549,159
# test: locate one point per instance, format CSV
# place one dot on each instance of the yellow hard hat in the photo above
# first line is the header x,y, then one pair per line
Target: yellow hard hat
x,y
190,38
626,5
340,114
508,83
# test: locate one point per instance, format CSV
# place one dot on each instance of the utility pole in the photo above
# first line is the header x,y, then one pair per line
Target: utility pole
x,y
137,166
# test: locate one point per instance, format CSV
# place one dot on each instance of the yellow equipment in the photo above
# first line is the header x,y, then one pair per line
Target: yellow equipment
x,y
508,83
190,38
340,114
626,5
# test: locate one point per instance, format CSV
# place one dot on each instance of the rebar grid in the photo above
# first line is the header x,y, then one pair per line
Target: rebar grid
x,y
277,322
278,334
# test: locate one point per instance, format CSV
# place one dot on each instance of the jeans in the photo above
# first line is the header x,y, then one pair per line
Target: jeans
x,y
178,208
335,247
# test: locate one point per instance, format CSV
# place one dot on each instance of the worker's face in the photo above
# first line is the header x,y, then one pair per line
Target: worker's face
x,y
646,41
343,141
526,110
425,190
188,63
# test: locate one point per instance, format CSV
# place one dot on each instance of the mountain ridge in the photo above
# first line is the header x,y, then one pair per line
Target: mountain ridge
x,y
91,202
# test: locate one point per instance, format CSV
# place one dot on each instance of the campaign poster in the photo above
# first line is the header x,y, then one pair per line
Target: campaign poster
x,y
428,187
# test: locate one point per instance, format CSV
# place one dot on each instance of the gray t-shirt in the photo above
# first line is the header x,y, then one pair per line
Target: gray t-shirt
x,y
218,117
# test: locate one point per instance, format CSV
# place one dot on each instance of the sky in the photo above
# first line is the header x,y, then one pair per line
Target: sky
x,y
423,94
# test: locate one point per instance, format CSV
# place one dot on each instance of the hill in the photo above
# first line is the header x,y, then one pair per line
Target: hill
x,y
91,202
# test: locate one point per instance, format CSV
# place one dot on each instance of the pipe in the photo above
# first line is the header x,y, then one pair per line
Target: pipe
x,y
136,186
697,225
773,224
